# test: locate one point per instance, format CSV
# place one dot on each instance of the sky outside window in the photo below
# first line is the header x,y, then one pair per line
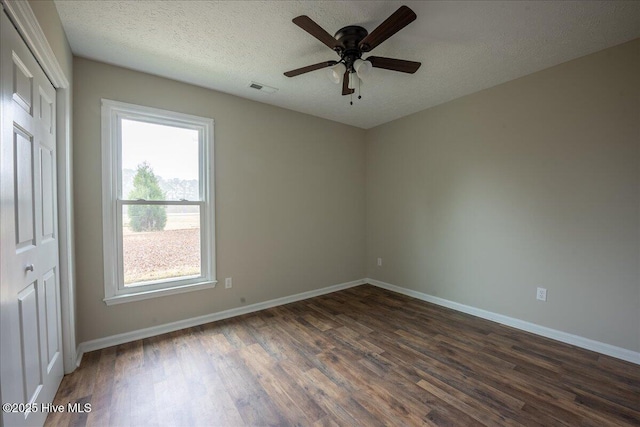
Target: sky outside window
x,y
172,152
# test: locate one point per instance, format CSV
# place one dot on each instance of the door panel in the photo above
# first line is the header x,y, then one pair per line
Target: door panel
x,y
46,111
46,174
28,307
30,326
51,315
22,85
24,189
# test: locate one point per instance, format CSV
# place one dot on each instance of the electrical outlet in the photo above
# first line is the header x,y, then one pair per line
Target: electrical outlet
x,y
228,283
541,294
379,262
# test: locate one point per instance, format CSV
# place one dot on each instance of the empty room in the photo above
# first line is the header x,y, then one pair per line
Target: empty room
x,y
353,213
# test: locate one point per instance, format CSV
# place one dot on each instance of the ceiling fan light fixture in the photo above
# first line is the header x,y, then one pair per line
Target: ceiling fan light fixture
x,y
363,68
352,80
336,72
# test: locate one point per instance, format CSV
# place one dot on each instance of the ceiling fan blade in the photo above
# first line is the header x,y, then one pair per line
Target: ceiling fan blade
x,y
316,31
308,68
397,21
345,84
394,64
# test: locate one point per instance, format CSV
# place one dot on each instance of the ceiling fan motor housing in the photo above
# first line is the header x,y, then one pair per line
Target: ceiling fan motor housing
x,y
350,37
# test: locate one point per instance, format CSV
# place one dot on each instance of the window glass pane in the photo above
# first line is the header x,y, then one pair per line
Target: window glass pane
x,y
159,162
160,242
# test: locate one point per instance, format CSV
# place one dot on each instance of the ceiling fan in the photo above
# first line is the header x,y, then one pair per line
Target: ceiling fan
x,y
351,42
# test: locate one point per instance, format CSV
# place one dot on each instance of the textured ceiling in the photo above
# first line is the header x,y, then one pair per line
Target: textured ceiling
x,y
464,46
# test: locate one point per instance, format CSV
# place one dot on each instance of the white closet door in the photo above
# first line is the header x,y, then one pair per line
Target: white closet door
x,y
31,343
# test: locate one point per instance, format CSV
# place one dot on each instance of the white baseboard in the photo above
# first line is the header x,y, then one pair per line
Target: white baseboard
x,y
79,354
112,340
578,341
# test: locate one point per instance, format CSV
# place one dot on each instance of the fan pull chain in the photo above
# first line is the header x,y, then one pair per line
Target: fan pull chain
x,y
359,96
351,97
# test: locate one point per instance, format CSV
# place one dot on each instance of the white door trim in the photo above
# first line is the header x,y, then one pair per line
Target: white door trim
x,y
22,16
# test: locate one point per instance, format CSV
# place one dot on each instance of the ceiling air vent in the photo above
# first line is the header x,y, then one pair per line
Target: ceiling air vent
x,y
263,88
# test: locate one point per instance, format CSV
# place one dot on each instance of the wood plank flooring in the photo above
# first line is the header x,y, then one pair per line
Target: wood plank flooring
x,y
362,356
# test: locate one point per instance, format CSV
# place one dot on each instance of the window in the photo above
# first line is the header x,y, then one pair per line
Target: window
x,y
158,204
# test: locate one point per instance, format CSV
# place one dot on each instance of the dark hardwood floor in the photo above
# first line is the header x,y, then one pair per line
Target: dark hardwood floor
x,y
362,356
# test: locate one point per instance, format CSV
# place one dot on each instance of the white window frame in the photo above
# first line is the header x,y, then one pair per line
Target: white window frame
x,y
113,112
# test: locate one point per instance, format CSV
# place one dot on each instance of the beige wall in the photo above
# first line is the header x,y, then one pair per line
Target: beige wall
x,y
535,182
289,195
531,183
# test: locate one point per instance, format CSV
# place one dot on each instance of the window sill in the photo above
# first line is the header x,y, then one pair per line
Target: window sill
x,y
139,296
